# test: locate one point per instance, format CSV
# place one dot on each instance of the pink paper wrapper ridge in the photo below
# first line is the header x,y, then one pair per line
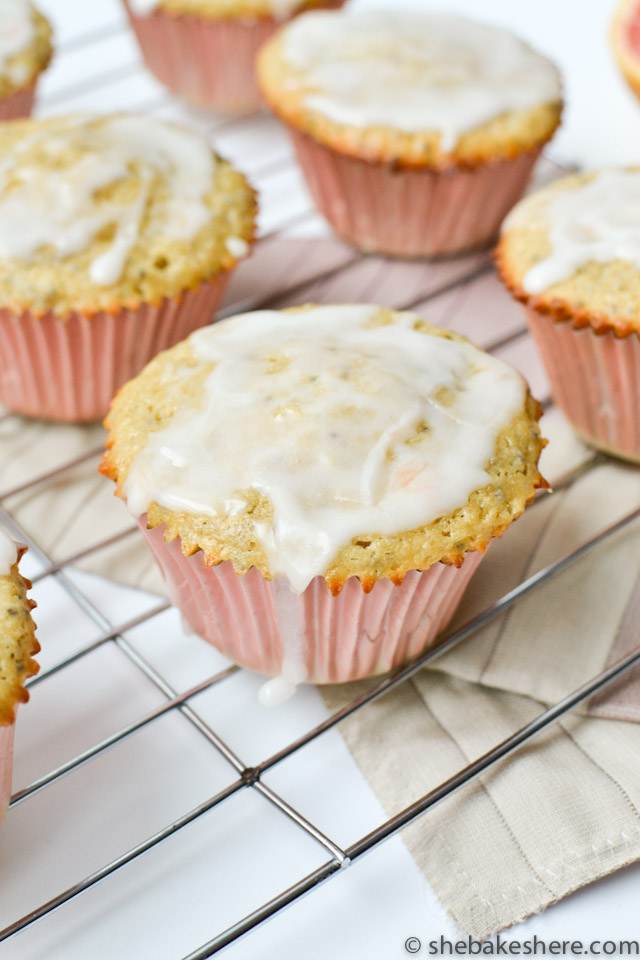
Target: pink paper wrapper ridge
x,y
6,765
411,212
210,62
69,368
18,104
348,637
595,380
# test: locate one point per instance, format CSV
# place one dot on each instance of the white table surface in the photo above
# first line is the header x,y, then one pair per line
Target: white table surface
x,y
178,896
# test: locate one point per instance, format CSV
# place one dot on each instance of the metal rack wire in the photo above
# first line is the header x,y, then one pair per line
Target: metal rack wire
x,y
251,777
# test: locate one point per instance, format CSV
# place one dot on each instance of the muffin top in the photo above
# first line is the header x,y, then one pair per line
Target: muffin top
x,y
572,250
97,213
278,9
17,637
419,89
25,44
333,441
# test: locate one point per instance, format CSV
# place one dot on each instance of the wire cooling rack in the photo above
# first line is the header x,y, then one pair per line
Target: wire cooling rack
x,y
98,68
250,777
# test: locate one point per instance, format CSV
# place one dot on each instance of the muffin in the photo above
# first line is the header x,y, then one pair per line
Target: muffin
x,y
18,645
117,237
25,51
319,484
205,50
571,254
416,132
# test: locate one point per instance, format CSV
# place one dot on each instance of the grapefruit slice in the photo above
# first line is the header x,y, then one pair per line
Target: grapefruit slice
x,y
625,40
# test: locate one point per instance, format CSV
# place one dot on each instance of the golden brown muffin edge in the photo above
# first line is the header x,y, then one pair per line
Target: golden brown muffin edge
x,y
18,643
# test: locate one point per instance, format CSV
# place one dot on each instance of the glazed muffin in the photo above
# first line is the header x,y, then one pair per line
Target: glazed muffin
x,y
25,51
18,645
318,485
416,132
571,254
204,50
117,237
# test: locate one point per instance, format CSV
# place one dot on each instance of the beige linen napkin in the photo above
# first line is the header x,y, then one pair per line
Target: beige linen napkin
x,y
564,810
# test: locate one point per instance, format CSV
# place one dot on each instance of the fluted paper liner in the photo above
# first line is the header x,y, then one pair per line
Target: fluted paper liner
x,y
411,211
18,104
69,368
595,380
207,60
347,637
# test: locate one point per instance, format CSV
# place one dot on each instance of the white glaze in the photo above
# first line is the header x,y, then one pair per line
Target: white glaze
x,y
324,438
279,8
56,207
237,247
143,8
594,222
414,72
16,34
276,691
290,619
8,554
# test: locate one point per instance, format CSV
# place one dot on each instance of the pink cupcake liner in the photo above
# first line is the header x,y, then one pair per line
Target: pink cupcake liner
x,y
18,104
595,380
409,211
69,368
6,765
348,637
208,61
